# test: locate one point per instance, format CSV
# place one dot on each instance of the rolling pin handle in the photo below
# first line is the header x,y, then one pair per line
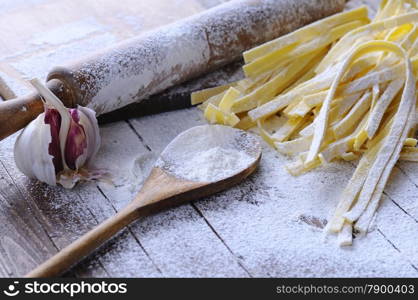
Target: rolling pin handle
x,y
16,113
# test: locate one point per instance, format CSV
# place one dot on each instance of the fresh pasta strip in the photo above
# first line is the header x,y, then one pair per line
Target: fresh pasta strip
x,y
245,123
347,103
359,139
298,145
409,154
214,100
215,115
335,150
410,142
322,119
353,117
299,167
345,237
381,105
305,33
288,129
309,71
203,95
228,99
349,156
341,148
263,64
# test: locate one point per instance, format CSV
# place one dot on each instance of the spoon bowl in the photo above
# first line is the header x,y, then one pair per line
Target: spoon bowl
x,y
199,162
209,153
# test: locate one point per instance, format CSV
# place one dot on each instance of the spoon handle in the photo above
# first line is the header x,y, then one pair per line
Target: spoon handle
x,y
86,244
160,191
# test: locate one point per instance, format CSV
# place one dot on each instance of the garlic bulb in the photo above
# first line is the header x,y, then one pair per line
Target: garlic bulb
x,y
59,143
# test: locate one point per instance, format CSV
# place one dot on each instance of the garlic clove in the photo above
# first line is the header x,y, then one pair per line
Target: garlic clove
x,y
76,143
31,151
53,119
91,127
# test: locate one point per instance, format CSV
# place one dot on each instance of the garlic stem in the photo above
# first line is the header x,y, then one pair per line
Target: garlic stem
x,y
56,103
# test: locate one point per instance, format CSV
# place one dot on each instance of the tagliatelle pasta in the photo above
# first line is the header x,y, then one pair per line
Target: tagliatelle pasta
x,y
342,88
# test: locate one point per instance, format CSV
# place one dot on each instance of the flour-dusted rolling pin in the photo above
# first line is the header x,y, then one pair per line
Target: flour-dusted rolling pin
x,y
152,62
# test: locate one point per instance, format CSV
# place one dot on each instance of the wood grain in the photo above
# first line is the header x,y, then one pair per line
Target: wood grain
x,y
237,233
251,203
30,45
24,243
172,258
160,191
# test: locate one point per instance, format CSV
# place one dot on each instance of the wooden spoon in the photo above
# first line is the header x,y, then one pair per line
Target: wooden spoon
x,y
171,184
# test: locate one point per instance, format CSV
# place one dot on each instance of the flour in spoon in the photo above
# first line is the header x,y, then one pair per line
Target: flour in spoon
x,y
214,164
209,153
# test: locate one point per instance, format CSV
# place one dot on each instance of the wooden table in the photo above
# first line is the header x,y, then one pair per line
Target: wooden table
x,y
270,225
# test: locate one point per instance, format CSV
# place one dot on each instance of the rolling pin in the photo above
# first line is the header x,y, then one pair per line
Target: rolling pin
x,y
145,65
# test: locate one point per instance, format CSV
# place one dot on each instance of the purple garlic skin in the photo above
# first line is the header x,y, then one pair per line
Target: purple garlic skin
x,y
76,142
53,118
59,145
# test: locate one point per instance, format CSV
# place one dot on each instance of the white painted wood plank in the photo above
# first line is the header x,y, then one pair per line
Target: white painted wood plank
x,y
270,221
178,241
67,214
40,34
403,187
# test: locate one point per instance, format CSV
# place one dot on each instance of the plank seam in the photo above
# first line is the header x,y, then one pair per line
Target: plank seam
x,y
394,202
131,232
396,248
197,210
400,207
138,135
221,239
407,176
35,215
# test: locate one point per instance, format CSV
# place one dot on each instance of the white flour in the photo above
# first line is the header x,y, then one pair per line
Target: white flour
x,y
209,153
214,164
73,31
39,65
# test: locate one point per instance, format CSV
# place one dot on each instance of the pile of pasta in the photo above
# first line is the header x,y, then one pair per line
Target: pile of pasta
x,y
340,88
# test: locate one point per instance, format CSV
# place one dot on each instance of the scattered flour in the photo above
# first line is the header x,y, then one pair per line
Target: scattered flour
x,y
209,153
8,86
38,65
140,170
73,31
7,7
135,22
